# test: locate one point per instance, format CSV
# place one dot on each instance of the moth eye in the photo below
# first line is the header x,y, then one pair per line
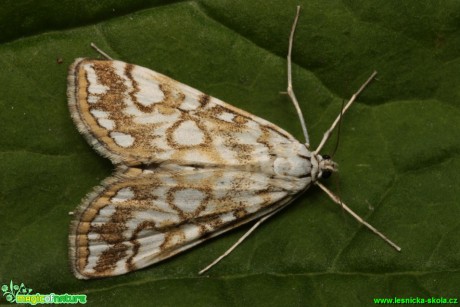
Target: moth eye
x,y
327,157
326,174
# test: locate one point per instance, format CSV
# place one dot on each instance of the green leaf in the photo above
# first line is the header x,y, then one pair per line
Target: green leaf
x,y
397,155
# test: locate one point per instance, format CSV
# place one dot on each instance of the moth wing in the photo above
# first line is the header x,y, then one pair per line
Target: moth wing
x,y
139,217
134,115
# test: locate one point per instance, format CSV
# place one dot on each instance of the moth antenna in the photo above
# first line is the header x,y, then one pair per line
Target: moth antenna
x,y
290,90
327,134
337,200
338,130
98,50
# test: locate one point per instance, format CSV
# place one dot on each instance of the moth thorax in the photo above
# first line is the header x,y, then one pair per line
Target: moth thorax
x,y
322,166
293,161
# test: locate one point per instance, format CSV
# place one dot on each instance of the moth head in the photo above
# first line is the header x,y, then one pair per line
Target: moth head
x,y
322,166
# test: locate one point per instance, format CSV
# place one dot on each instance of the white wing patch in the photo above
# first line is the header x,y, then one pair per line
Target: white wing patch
x,y
189,167
188,134
122,139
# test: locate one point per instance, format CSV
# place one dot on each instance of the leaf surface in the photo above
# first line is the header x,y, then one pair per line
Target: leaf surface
x,y
398,147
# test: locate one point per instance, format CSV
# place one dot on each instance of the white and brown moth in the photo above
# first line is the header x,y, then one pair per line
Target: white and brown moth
x,y
188,166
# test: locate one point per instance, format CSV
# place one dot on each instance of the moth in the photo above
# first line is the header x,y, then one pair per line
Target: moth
x,y
189,166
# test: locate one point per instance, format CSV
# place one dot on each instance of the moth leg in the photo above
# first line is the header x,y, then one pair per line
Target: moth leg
x,y
338,201
105,55
327,134
240,240
290,90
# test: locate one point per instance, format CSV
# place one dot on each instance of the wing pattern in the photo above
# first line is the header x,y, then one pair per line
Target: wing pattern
x,y
189,167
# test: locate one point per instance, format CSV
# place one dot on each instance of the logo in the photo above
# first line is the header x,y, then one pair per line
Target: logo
x,y
20,294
